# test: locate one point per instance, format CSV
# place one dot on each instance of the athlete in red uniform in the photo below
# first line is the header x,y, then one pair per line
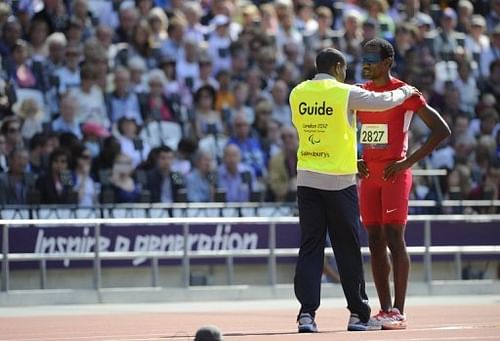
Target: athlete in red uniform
x,y
386,178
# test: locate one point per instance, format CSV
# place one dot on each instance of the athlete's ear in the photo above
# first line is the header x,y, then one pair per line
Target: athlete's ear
x,y
389,61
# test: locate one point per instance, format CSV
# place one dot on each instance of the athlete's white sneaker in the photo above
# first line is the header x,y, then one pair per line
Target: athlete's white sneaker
x,y
394,320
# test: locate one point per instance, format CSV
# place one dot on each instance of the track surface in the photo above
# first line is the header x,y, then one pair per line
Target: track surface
x,y
453,318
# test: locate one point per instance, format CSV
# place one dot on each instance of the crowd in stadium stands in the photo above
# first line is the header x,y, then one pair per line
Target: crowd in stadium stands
x,y
111,101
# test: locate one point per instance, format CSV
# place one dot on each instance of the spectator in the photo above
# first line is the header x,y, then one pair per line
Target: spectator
x,y
466,85
11,33
68,76
224,98
138,68
74,31
84,184
234,178
122,101
486,124
131,143
239,61
492,83
323,36
281,108
11,129
56,185
89,98
155,106
159,22
22,73
143,6
493,17
3,154
240,90
31,115
103,164
283,168
476,40
446,42
183,157
263,114
194,29
459,185
188,71
165,185
67,121
378,10
39,151
206,120
172,47
37,36
56,45
54,13
201,181
488,188
205,74
219,41
489,55
124,188
93,134
16,185
142,45
255,83
251,150
128,17
80,11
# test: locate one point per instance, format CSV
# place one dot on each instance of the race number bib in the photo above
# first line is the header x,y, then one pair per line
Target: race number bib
x,y
374,134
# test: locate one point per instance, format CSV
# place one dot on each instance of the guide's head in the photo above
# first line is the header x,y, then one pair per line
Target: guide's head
x,y
332,62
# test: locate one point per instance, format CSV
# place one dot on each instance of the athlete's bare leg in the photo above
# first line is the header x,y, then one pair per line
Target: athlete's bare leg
x,y
381,266
394,235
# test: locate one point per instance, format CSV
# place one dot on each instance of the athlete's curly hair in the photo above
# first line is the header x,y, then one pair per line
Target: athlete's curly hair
x,y
385,48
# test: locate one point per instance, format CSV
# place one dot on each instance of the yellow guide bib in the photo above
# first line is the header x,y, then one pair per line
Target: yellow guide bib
x,y
327,141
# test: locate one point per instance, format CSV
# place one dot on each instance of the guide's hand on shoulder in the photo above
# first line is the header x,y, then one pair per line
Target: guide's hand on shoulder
x,y
411,90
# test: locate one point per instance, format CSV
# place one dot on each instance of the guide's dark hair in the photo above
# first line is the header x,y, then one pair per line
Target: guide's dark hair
x,y
328,58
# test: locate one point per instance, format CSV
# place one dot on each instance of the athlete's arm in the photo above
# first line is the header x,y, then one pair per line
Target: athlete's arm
x,y
439,131
364,100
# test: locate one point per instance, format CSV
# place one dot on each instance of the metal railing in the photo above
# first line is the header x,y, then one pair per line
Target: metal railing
x,y
189,210
271,253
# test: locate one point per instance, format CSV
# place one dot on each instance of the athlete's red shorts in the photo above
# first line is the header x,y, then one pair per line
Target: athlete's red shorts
x,y
384,202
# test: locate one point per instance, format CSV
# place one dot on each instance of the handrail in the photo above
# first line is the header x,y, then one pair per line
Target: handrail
x,y
427,250
223,220
235,205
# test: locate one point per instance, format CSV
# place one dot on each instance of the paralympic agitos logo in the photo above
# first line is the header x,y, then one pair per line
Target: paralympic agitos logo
x,y
313,140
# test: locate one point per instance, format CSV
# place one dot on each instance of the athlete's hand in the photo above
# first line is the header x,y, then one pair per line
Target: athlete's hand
x,y
394,168
363,169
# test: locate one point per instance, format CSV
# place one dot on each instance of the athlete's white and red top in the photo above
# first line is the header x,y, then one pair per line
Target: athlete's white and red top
x,y
384,135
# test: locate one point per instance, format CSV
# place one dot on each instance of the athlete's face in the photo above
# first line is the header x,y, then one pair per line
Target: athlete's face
x,y
373,64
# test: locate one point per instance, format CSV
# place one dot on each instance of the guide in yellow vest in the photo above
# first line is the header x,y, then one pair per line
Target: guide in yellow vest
x,y
323,114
